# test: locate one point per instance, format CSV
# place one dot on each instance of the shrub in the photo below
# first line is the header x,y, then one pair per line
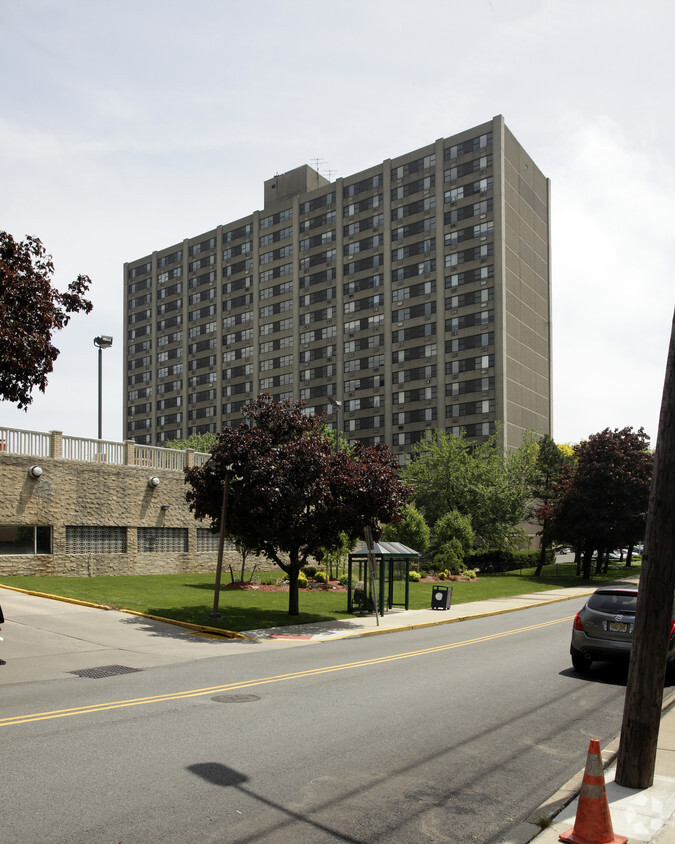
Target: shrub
x,y
470,574
302,581
454,526
441,575
414,576
267,580
320,577
309,571
412,530
344,581
502,561
432,566
451,556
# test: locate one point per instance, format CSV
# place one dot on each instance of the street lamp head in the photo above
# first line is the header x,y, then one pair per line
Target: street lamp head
x,y
103,342
334,402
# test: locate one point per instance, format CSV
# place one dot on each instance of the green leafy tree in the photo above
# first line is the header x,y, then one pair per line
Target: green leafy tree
x,y
334,558
450,557
198,442
602,501
548,469
290,495
412,530
479,480
31,310
454,525
453,539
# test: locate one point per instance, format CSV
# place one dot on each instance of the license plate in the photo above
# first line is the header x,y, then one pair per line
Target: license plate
x,y
617,627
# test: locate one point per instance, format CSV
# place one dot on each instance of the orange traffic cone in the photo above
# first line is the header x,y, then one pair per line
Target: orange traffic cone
x,y
593,824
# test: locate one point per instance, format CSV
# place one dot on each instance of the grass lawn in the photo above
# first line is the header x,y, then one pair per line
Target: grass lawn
x,y
189,597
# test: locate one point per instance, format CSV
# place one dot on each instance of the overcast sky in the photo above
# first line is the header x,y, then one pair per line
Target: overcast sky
x,y
128,125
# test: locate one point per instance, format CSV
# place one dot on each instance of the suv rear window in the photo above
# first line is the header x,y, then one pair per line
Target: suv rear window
x,y
613,602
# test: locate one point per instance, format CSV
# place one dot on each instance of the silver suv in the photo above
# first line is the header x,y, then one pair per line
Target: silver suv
x,y
603,629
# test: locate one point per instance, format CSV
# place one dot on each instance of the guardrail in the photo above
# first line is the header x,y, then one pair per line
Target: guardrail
x,y
15,441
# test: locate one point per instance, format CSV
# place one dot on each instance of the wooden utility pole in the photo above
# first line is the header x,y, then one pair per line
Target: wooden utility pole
x,y
646,674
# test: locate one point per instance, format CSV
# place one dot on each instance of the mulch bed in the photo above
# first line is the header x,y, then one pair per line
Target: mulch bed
x,y
333,585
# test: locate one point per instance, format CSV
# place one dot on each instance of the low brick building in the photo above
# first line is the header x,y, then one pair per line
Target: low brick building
x,y
73,506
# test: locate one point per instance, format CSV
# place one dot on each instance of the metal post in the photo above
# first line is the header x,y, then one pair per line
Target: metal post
x,y
100,393
221,546
371,566
102,342
338,406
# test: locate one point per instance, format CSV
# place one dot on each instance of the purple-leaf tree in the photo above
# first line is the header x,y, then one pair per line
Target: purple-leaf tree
x,y
31,310
290,496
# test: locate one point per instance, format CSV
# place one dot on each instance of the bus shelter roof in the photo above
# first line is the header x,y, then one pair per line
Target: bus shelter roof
x,y
388,550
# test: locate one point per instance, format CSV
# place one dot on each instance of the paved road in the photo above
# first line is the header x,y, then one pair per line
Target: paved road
x,y
453,733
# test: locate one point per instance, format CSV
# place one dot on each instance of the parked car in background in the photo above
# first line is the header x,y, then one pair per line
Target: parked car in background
x,y
603,628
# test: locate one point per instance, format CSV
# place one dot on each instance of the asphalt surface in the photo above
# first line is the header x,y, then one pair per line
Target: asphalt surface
x,y
49,639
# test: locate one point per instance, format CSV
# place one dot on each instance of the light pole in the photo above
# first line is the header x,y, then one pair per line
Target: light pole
x,y
215,613
102,342
338,406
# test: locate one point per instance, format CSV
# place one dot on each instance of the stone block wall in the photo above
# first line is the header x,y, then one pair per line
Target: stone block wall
x,y
81,495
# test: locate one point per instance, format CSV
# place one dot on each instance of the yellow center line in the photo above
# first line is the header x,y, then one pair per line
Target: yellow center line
x,y
261,681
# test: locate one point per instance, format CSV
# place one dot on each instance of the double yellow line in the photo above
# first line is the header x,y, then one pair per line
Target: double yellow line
x,y
262,681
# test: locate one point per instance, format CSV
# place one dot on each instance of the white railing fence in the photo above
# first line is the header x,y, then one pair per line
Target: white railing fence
x,y
14,441
93,451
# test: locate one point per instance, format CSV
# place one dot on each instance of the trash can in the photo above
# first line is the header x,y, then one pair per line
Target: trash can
x,y
441,597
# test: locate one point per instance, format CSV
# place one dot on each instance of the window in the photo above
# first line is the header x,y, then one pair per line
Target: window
x,y
95,539
162,539
25,539
207,540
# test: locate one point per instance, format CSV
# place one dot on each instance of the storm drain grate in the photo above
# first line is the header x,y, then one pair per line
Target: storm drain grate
x,y
104,671
235,698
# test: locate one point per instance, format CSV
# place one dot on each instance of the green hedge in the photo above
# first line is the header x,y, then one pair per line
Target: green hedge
x,y
502,561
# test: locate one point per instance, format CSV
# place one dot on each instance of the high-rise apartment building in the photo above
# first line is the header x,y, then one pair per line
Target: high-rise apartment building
x,y
412,295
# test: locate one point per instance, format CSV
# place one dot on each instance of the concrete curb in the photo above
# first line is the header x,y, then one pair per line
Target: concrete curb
x,y
538,821
57,598
233,634
199,628
378,631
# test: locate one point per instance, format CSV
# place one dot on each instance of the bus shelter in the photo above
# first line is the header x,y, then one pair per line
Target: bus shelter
x,y
389,579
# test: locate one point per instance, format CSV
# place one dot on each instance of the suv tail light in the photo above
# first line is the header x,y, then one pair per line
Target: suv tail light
x,y
578,625
672,628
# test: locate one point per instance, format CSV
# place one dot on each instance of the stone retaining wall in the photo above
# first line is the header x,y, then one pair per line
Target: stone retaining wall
x,y
97,496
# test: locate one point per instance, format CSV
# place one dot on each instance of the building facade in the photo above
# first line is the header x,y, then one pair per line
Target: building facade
x,y
80,507
413,295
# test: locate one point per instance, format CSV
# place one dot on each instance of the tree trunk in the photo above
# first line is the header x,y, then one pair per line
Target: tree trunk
x,y
542,550
629,557
647,671
588,561
293,595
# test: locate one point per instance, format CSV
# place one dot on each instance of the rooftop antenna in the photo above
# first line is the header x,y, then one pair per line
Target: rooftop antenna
x,y
317,162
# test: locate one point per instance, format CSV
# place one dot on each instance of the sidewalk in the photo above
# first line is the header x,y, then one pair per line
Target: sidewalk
x,y
642,815
49,639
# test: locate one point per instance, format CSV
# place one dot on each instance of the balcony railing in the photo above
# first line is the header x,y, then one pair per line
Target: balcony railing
x,y
14,441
